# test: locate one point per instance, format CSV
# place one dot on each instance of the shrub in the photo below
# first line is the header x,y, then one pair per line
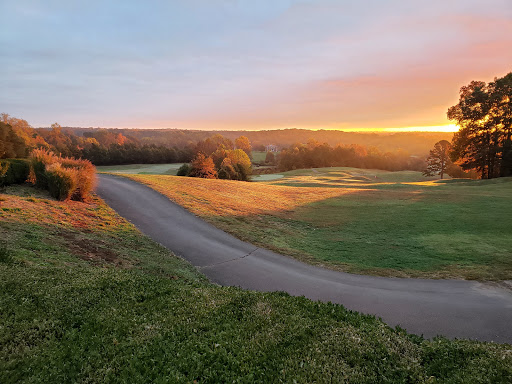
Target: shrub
x,y
270,158
64,177
242,172
13,171
85,177
4,167
62,182
40,158
457,172
184,170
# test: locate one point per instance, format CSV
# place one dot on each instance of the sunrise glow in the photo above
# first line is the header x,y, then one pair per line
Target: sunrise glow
x,y
249,65
435,128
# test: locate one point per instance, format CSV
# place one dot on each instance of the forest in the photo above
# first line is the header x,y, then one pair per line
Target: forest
x,y
416,143
100,146
108,146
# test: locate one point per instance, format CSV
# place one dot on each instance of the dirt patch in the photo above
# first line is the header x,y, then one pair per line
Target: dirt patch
x,y
94,251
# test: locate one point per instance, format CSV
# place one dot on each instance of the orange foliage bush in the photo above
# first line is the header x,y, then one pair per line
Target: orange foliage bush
x,y
64,177
86,177
40,158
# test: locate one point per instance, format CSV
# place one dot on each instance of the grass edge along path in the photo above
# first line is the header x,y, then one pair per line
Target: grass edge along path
x,y
128,311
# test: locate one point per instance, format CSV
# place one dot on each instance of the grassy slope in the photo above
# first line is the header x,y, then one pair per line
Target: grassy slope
x,y
86,297
363,221
151,169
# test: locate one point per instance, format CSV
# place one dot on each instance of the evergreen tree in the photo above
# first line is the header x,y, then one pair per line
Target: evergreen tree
x,y
439,159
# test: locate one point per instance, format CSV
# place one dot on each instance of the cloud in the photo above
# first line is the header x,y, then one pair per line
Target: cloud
x,y
232,63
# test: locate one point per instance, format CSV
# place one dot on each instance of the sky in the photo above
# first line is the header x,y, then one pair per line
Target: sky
x,y
248,64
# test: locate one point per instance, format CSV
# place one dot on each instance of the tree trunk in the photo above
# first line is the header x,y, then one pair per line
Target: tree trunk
x,y
506,157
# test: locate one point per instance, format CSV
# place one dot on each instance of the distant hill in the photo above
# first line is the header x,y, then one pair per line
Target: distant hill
x,y
415,143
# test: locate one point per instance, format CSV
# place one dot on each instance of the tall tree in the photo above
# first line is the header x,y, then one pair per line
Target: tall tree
x,y
11,145
22,129
439,159
484,115
244,144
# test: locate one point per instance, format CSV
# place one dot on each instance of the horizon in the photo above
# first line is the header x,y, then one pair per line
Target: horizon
x,y
451,128
245,65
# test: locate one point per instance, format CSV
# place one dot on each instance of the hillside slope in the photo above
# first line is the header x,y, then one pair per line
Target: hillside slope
x,y
86,297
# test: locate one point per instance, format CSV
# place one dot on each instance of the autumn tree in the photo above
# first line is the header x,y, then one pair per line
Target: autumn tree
x,y
11,145
203,167
227,171
244,144
22,129
212,144
439,159
241,162
484,115
58,140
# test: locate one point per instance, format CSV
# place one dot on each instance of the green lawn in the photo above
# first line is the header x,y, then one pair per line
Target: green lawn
x,y
448,228
401,225
142,169
347,177
85,297
258,156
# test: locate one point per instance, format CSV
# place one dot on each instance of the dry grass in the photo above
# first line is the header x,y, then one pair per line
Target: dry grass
x,y
234,198
42,210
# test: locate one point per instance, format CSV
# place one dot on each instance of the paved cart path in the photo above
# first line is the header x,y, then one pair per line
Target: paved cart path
x,y
453,308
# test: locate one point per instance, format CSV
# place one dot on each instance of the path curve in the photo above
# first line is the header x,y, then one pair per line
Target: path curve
x,y
452,308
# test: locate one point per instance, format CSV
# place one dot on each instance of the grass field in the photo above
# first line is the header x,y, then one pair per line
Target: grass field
x,y
143,169
258,156
85,297
364,221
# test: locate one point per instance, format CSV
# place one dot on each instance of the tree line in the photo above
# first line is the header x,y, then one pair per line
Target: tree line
x,y
314,154
483,144
101,146
416,143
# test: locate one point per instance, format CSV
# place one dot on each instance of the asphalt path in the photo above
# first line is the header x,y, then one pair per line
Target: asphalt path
x,y
452,308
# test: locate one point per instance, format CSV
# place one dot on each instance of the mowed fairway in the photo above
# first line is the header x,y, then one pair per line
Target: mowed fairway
x,y
363,221
144,169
